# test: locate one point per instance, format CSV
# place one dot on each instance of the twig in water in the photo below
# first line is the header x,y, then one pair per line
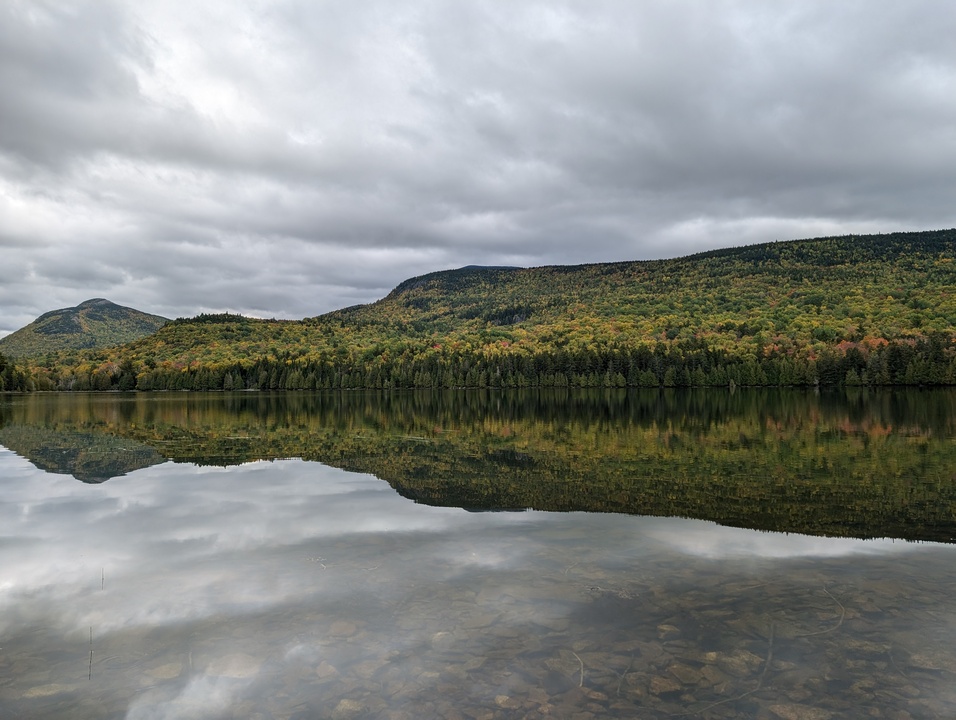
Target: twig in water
x,y
91,653
754,587
766,664
581,662
839,622
890,653
623,674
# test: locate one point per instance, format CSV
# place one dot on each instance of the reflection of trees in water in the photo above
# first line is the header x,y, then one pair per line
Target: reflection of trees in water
x,y
853,462
87,456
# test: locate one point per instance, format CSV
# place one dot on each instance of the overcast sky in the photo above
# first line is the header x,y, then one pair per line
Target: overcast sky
x,y
286,158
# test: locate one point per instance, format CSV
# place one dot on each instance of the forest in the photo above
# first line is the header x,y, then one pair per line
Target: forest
x,y
13,377
844,311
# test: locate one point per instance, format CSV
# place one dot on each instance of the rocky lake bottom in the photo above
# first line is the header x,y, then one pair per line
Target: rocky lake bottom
x,y
377,607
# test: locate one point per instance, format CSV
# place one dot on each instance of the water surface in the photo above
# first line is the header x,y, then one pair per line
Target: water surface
x,y
213,556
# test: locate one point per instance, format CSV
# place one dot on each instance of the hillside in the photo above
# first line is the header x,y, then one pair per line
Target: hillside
x,y
856,310
806,291
95,323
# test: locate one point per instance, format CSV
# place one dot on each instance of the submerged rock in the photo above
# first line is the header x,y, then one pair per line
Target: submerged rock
x,y
167,671
48,690
236,665
933,660
668,632
740,663
662,685
348,710
800,712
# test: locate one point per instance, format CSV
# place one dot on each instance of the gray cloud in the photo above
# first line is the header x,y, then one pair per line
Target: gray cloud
x,y
290,158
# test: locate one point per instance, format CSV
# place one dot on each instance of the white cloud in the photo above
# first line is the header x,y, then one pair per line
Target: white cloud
x,y
140,140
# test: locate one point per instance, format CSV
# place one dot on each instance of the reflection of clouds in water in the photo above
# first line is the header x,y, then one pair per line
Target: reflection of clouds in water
x,y
174,542
300,653
177,542
203,697
707,540
14,466
503,550
242,588
487,557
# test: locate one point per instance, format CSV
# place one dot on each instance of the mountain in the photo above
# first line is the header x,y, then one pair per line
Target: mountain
x,y
855,310
95,323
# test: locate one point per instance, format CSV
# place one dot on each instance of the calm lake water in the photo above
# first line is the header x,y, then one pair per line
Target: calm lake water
x,y
478,555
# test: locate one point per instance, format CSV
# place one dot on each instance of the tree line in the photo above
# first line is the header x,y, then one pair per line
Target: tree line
x,y
14,378
927,361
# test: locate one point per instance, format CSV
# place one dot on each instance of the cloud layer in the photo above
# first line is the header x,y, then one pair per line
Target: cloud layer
x,y
284,159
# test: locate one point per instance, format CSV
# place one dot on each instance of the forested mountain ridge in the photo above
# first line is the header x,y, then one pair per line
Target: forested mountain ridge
x,y
813,290
94,323
878,309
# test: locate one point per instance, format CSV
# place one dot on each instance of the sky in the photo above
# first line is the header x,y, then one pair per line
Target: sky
x,y
288,158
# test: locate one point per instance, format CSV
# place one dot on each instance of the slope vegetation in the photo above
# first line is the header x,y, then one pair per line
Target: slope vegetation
x,y
95,323
849,310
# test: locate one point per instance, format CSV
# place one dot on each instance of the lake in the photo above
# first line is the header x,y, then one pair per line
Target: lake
x,y
612,554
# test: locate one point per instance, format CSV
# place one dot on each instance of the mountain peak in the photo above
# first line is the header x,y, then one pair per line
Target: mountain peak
x,y
94,323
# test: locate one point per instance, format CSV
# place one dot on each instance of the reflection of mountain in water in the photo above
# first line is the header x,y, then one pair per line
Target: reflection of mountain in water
x,y
87,456
847,464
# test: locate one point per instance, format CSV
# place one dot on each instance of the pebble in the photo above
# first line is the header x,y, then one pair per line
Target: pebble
x,y
800,712
343,629
326,670
348,709
166,672
236,665
661,685
48,690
